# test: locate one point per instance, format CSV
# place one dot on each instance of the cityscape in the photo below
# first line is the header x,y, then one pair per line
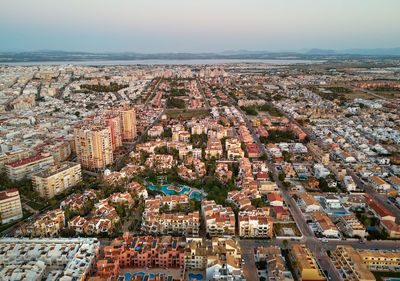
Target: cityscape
x,y
163,164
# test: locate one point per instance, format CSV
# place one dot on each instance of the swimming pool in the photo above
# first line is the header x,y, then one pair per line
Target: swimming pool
x,y
339,213
169,189
129,276
195,276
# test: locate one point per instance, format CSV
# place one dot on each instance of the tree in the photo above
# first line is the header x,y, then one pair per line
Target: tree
x,y
258,203
285,243
164,208
282,176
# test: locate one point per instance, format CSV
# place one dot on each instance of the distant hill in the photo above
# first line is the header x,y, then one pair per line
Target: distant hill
x,y
373,52
321,52
311,54
362,52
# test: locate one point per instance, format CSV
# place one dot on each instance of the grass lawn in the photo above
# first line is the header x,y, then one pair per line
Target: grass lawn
x,y
201,113
380,275
388,94
38,205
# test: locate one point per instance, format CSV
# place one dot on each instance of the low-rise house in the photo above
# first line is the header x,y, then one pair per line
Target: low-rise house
x,y
47,225
320,171
137,190
379,184
325,225
380,211
265,187
121,198
391,228
395,181
275,199
222,172
309,203
160,162
349,184
332,201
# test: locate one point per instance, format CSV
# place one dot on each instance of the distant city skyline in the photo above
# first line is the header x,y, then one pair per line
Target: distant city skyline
x,y
197,26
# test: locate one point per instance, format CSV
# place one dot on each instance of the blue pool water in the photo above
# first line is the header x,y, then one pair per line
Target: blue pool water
x,y
391,279
195,276
128,276
192,192
339,213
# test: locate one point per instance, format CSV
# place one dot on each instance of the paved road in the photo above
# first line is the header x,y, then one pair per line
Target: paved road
x,y
379,198
309,238
369,93
202,93
249,263
153,92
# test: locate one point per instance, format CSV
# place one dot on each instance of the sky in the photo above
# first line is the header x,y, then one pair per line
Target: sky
x,y
153,26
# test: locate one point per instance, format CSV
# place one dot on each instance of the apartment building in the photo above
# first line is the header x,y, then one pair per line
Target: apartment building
x,y
213,149
10,205
351,226
48,258
179,223
60,150
93,146
307,267
147,251
381,260
13,156
128,123
114,123
275,265
25,167
219,220
56,179
195,254
224,261
174,223
320,155
256,223
350,264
